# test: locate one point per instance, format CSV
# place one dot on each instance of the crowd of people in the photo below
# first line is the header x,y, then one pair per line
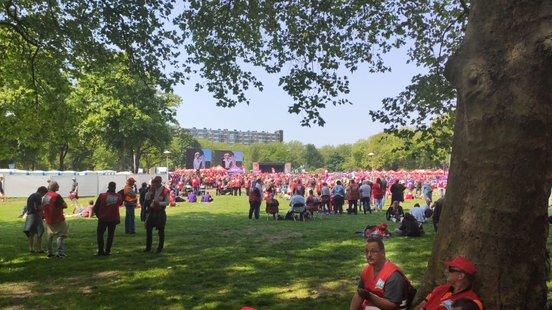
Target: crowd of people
x,y
382,285
45,214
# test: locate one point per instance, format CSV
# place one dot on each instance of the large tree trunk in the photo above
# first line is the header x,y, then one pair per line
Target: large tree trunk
x,y
495,211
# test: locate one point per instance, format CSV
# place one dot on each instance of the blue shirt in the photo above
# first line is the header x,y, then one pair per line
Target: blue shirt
x,y
418,214
296,199
338,190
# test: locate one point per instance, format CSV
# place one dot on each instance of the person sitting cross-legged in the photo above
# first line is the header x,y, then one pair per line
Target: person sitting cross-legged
x,y
409,227
395,213
207,198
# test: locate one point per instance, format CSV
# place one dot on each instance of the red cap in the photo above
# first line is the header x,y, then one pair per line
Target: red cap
x,y
144,184
383,226
131,180
463,263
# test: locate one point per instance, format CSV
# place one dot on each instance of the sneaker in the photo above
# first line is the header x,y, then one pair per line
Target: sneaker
x,y
61,256
146,250
100,253
51,255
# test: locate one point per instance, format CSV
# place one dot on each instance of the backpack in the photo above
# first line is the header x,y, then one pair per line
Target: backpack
x,y
122,193
428,213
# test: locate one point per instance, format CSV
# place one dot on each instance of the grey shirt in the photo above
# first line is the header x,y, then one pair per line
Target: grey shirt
x,y
365,191
393,289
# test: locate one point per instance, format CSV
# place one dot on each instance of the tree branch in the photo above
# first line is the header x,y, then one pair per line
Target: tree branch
x,y
33,58
465,6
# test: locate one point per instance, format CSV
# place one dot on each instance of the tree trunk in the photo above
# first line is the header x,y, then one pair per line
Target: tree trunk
x,y
138,157
121,159
495,212
62,154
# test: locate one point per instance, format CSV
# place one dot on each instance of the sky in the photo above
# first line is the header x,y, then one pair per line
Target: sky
x,y
268,110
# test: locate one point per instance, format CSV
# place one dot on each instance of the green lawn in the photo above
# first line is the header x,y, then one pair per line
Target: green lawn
x,y
214,258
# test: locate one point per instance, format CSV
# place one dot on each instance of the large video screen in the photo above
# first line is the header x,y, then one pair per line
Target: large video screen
x,y
198,159
228,159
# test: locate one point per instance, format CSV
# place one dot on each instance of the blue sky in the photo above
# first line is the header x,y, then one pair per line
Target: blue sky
x,y
268,109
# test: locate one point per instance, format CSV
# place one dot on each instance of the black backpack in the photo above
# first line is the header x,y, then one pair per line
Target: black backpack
x,y
122,193
428,213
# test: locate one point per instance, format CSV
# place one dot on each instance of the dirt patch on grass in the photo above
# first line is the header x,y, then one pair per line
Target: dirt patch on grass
x,y
106,274
19,290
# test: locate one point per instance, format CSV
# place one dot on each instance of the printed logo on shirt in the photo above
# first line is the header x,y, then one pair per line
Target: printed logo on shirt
x,y
380,284
447,304
46,199
111,199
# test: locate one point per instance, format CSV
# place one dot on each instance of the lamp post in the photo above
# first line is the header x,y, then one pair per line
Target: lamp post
x,y
372,159
167,154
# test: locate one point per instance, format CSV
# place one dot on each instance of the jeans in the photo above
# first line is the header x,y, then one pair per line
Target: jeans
x,y
255,207
60,245
102,226
365,203
379,204
129,218
399,232
326,204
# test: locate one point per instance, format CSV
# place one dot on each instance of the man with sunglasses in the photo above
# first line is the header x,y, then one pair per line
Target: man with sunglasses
x,y
382,284
461,274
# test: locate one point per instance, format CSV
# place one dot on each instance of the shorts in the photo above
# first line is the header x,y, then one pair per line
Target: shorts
x,y
33,224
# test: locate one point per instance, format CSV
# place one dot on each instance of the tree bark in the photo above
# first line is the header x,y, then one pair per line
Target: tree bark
x,y
495,212
121,158
62,154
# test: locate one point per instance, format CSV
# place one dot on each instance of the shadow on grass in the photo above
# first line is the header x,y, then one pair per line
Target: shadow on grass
x,y
214,258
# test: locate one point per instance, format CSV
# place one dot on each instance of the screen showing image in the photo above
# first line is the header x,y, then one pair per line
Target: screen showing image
x,y
229,159
198,159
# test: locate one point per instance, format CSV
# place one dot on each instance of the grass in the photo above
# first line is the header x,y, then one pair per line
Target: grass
x,y
214,258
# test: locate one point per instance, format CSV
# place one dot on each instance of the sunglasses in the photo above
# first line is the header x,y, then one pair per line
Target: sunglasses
x,y
451,270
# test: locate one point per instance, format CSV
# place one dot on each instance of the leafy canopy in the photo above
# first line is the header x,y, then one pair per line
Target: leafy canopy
x,y
310,44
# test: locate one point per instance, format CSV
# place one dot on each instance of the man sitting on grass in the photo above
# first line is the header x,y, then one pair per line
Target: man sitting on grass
x,y
461,274
382,284
207,198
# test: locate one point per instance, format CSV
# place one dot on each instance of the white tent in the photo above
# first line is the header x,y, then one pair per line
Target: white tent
x,y
22,183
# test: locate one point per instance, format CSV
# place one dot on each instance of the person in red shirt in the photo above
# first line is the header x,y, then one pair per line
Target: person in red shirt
x,y
106,209
461,274
157,200
55,220
195,185
353,196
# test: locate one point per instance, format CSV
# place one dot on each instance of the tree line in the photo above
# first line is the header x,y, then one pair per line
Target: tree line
x,y
390,152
